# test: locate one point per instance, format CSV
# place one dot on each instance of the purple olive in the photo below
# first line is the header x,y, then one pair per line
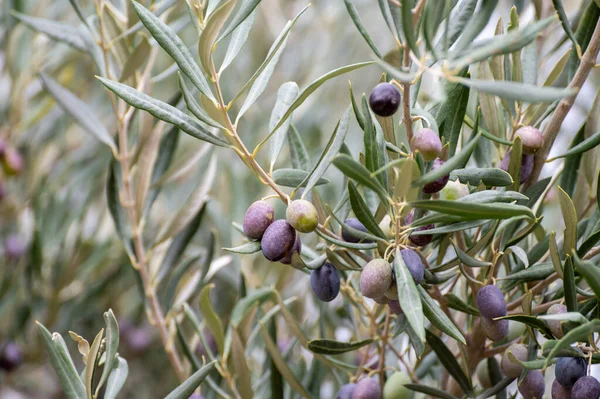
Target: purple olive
x,y
384,100
375,278
278,240
414,263
495,330
258,217
440,183
287,259
138,339
533,385
11,356
14,247
554,325
420,240
367,388
394,306
355,224
531,138
510,368
490,302
560,392
428,143
526,166
586,387
325,282
346,391
569,369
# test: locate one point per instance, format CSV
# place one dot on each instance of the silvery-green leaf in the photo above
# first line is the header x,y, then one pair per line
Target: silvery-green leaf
x,y
411,301
298,152
92,361
330,347
238,39
162,111
208,37
293,178
570,218
358,172
111,346
456,24
286,94
407,25
244,13
449,361
116,379
193,106
79,110
361,28
188,387
247,248
518,91
488,176
476,24
56,30
175,47
401,76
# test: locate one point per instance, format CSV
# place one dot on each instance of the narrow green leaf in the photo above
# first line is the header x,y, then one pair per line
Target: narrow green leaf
x,y
533,273
570,217
580,148
374,142
570,286
583,35
468,260
472,211
238,39
456,303
407,24
79,110
116,379
210,317
110,347
518,91
245,304
162,111
564,21
356,171
314,85
429,390
530,321
456,24
117,212
286,94
211,30
449,361
92,359
362,211
55,30
244,13
329,347
578,334
434,313
568,178
175,47
188,387
411,304
401,76
344,244
361,28
294,178
193,106
488,176
476,24
590,273
451,115
298,152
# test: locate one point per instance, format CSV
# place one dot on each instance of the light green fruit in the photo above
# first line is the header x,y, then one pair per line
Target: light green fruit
x,y
392,292
375,278
510,368
515,330
394,386
483,374
386,226
302,216
453,191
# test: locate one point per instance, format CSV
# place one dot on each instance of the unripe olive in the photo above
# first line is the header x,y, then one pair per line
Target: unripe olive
x,y
386,226
12,161
258,217
560,392
384,100
526,166
278,240
428,143
454,190
355,224
510,368
325,282
11,356
554,325
367,388
297,248
533,385
483,374
490,302
392,292
495,330
515,330
440,183
531,138
346,391
586,387
394,386
375,278
302,216
394,306
414,263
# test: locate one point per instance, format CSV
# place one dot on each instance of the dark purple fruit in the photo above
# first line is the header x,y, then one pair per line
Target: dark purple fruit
x,y
302,215
355,224
346,391
526,166
367,388
531,138
495,330
440,183
14,247
510,368
287,259
420,240
394,306
414,263
384,100
560,392
554,325
533,386
569,369
325,282
586,388
491,302
278,240
11,356
258,217
375,278
428,143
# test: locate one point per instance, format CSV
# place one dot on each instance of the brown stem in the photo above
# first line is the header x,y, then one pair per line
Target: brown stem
x,y
587,63
535,290
382,352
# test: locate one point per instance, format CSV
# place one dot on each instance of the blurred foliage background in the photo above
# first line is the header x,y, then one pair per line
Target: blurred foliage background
x,y
69,264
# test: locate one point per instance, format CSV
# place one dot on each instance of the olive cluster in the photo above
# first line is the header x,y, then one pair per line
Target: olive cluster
x,y
369,388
